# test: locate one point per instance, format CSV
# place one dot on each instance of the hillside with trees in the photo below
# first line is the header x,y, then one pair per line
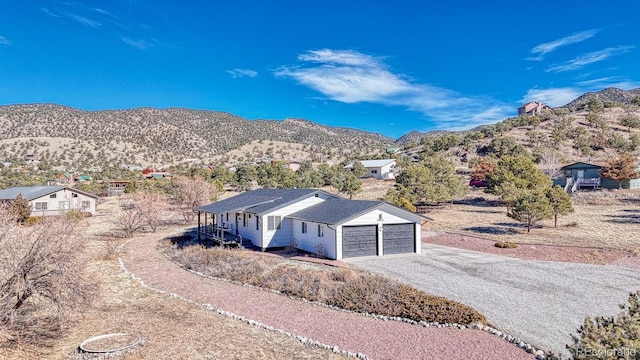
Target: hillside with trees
x,y
64,136
593,128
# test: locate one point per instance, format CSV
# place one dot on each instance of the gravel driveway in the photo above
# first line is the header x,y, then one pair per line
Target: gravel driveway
x,y
542,302
375,338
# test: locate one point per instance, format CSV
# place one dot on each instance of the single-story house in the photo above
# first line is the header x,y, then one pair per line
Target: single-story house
x,y
581,175
378,169
52,200
314,221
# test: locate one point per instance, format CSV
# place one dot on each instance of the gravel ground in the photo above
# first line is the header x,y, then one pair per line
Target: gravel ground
x,y
542,302
375,338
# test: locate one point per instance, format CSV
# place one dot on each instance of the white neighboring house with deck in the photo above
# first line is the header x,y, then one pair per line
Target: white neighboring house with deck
x,y
52,200
311,220
383,169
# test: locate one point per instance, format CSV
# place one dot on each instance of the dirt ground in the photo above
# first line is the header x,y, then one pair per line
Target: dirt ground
x,y
121,305
170,328
600,222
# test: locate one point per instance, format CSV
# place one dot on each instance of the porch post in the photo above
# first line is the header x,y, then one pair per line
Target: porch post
x,y
199,226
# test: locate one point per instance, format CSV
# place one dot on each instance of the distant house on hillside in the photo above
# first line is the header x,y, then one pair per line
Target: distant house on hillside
x,y
52,200
532,108
379,169
583,175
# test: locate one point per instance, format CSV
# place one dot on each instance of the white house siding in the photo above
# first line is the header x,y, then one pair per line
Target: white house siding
x,y
311,242
249,231
63,201
387,171
284,236
381,172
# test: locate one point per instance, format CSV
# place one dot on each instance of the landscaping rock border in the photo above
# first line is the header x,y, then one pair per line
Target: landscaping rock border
x,y
540,354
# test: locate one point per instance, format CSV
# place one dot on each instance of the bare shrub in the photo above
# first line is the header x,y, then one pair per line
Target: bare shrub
x,y
191,192
344,288
129,220
41,277
111,247
152,207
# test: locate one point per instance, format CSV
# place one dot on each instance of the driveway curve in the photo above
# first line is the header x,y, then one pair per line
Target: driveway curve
x,y
375,338
541,302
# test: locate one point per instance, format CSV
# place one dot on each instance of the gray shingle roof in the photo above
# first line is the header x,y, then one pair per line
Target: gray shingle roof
x,y
34,192
28,192
257,201
335,211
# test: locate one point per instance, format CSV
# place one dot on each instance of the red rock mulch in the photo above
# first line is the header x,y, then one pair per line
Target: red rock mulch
x,y
539,252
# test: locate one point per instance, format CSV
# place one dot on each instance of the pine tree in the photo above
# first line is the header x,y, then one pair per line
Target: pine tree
x,y
560,203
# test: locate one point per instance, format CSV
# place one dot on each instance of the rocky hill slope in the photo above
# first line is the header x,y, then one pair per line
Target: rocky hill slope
x,y
149,136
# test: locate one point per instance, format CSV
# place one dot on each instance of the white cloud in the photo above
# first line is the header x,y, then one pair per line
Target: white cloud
x,y
5,41
561,96
238,73
551,46
85,21
141,44
49,12
351,77
589,58
554,96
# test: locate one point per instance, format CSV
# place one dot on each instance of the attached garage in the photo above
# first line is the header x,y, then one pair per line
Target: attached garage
x,y
359,241
357,228
398,238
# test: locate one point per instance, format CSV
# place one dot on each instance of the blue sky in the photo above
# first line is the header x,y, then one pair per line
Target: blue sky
x,y
381,66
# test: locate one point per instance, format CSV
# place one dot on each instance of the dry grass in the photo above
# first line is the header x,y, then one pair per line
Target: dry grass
x,y
610,223
344,288
170,328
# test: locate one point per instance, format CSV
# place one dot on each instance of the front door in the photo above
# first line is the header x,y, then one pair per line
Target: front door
x,y
580,174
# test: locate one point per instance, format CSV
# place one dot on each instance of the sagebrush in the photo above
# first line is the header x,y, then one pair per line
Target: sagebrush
x,y
341,287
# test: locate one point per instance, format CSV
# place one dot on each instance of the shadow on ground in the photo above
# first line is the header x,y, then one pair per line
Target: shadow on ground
x,y
624,219
492,230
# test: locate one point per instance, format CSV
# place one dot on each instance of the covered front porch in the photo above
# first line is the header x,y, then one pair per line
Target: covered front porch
x,y
210,230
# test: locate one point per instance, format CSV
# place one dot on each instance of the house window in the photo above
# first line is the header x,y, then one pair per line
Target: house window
x,y
244,220
274,222
304,227
257,223
86,204
74,195
374,171
227,216
320,230
53,196
41,206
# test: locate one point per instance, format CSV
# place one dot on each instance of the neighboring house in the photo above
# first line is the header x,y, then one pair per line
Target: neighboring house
x,y
52,200
131,167
117,187
378,169
583,175
65,179
293,165
314,221
31,157
71,179
156,175
532,108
